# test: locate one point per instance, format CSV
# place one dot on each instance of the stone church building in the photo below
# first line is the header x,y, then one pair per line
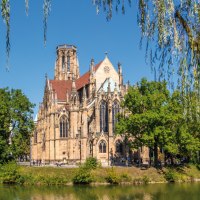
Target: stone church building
x,y
77,117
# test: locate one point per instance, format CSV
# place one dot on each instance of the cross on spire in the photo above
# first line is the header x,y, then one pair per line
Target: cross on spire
x,y
106,54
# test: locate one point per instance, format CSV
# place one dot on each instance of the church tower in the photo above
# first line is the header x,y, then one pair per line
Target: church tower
x,y
67,65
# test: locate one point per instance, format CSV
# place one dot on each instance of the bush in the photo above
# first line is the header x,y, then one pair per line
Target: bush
x,y
83,176
145,179
141,181
112,177
125,177
91,163
10,174
198,166
137,181
170,176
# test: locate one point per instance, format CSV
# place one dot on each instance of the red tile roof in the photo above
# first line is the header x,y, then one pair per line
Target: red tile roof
x,y
84,79
61,86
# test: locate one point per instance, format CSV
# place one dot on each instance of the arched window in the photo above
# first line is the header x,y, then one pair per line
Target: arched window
x,y
68,63
104,116
119,147
115,111
63,63
63,127
91,147
44,141
102,146
35,137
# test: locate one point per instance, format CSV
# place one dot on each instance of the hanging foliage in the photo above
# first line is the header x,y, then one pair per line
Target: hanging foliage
x,y
5,12
27,6
46,10
173,27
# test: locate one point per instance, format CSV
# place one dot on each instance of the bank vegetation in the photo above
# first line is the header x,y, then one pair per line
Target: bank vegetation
x,y
95,174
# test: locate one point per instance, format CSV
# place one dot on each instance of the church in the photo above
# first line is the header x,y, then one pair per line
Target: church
x,y
78,114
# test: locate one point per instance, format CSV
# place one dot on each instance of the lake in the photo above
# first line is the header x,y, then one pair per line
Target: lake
x,y
189,191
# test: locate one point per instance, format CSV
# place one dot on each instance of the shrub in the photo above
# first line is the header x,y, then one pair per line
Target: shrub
x,y
198,166
145,179
10,174
91,163
112,177
137,181
170,176
83,176
125,177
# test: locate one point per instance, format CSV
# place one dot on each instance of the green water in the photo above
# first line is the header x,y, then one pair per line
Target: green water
x,y
148,192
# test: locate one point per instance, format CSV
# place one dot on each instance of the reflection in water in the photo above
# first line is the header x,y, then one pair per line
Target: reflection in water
x,y
148,192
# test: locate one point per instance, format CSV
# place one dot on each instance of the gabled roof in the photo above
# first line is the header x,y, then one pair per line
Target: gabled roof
x,y
61,86
84,79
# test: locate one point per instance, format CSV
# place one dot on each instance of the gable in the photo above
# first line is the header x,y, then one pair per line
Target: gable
x,y
106,71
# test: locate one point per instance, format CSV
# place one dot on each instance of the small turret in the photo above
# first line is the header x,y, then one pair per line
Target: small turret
x,y
109,89
73,84
92,66
120,75
84,97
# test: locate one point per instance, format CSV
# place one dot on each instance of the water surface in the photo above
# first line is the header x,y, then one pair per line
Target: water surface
x,y
148,192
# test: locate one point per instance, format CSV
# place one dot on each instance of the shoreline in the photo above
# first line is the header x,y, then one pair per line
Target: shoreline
x,y
26,175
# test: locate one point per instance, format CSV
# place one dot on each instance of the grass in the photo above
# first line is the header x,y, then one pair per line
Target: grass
x,y
48,175
114,175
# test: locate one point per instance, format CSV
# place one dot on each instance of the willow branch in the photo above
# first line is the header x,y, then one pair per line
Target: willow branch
x,y
186,28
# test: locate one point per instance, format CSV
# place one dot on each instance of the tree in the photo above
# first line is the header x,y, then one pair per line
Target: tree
x,y
16,124
155,118
173,29
184,140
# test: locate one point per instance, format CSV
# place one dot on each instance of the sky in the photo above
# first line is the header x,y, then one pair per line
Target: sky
x,y
70,22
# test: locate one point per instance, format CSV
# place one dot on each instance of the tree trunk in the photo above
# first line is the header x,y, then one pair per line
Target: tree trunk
x,y
156,155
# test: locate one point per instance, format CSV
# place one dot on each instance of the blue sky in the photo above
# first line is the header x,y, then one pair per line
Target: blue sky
x,y
70,22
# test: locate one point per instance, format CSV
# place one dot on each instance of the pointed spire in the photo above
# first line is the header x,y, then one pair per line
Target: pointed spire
x,y
84,98
73,84
84,93
106,54
92,66
109,89
119,68
120,75
46,76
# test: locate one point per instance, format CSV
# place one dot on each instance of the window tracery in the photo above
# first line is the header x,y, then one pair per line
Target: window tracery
x,y
102,146
104,116
115,111
63,127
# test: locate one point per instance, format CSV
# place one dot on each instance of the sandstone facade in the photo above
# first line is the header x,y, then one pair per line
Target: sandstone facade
x,y
77,117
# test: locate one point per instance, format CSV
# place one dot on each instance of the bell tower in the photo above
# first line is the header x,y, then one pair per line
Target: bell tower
x,y
67,64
